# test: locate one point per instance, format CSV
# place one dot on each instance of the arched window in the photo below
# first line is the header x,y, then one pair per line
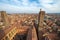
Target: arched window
x,y
6,38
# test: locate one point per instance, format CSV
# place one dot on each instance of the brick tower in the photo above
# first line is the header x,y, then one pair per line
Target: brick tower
x,y
40,23
4,18
41,18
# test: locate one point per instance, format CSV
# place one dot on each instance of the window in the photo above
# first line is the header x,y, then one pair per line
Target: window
x,y
6,38
10,35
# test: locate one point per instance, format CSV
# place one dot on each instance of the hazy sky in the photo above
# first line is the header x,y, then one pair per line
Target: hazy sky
x,y
30,6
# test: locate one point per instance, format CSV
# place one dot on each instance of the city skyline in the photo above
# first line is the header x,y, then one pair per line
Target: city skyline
x,y
30,6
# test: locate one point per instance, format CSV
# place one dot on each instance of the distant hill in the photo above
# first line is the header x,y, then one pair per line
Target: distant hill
x,y
53,13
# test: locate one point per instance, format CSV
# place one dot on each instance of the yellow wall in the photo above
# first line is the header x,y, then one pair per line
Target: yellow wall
x,y
10,35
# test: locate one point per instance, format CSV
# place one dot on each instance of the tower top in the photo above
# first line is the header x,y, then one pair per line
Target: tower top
x,y
40,9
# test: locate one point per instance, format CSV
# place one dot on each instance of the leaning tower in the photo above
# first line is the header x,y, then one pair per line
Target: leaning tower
x,y
40,23
41,18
